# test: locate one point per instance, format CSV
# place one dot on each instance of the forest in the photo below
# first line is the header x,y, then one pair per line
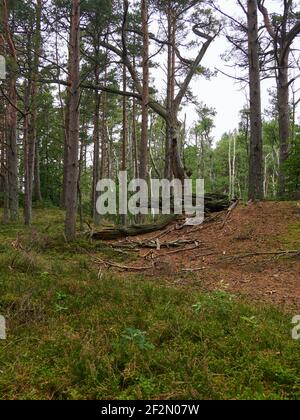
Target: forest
x,y
148,305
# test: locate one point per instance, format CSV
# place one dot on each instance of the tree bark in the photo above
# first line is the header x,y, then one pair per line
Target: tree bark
x,y
255,191
170,92
37,193
66,116
30,153
283,38
284,121
145,96
11,122
73,137
28,158
96,157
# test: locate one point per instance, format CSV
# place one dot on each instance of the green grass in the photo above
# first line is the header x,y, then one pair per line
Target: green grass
x,y
292,239
73,335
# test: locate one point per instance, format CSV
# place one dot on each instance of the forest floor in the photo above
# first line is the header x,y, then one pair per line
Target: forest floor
x,y
90,321
223,253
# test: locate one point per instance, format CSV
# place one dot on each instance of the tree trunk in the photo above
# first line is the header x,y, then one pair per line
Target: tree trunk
x,y
104,170
145,96
230,166
3,171
284,121
66,116
11,122
134,139
28,158
170,94
73,137
177,164
37,193
32,129
96,158
256,143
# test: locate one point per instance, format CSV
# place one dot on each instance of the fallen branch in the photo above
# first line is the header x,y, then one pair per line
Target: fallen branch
x,y
295,253
121,267
162,234
229,212
192,270
207,223
198,244
154,244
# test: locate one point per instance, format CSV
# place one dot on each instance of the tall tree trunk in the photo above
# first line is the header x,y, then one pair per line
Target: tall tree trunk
x,y
96,158
28,158
37,193
134,120
66,117
80,171
145,96
283,35
124,135
104,170
256,142
134,139
11,121
3,169
177,164
233,169
170,93
174,164
284,121
32,129
73,137
230,166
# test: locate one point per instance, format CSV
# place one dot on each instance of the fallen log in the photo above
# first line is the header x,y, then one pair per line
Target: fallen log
x,y
153,244
134,230
213,202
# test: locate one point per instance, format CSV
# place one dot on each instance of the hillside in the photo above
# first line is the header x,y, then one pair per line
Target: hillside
x,y
222,253
80,330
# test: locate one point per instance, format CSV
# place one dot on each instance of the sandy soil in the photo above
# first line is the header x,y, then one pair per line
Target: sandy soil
x,y
218,250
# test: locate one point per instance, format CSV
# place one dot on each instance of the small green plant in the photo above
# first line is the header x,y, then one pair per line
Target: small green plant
x,y
137,337
60,299
250,320
197,307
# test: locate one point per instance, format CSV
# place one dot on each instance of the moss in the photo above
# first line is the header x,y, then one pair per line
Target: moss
x,y
292,239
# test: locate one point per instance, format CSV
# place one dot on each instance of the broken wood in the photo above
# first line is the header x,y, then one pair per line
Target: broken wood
x,y
196,246
294,253
121,267
192,270
134,230
154,244
213,202
229,212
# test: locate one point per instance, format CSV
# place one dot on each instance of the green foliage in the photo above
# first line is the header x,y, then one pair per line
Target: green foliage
x,y
137,337
292,165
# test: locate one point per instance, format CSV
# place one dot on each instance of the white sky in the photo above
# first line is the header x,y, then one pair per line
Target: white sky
x,y
224,94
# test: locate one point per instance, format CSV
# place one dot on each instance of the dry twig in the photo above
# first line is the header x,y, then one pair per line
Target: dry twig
x,y
121,267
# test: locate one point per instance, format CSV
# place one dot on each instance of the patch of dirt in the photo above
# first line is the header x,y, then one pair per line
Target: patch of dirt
x,y
212,261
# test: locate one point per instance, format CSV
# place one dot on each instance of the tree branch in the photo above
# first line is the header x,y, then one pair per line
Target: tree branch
x,y
194,66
